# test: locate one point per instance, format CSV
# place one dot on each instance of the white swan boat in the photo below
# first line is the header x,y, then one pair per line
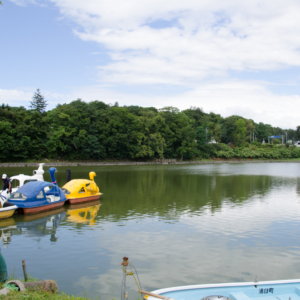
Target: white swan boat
x,y
18,180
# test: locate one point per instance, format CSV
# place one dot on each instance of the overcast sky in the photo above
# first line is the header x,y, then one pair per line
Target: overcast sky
x,y
225,56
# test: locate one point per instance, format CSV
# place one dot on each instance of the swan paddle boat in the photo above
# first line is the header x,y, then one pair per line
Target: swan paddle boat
x,y
7,209
264,290
82,190
38,196
18,180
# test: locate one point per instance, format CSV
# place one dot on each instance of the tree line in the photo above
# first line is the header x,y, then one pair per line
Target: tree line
x,y
99,131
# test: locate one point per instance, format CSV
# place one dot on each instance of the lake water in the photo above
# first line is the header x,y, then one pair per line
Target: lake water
x,y
179,225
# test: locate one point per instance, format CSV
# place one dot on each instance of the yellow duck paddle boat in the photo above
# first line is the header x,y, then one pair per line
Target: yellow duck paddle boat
x,y
82,190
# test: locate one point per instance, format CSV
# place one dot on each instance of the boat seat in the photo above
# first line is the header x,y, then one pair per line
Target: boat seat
x,y
7,204
239,296
53,192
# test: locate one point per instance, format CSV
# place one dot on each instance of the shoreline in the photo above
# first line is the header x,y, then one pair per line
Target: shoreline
x,y
77,164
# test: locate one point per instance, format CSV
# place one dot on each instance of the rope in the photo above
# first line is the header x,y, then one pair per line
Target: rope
x,y
132,274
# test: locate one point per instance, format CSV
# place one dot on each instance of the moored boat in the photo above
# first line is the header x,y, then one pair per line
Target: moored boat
x,y
7,209
82,190
38,196
264,290
18,180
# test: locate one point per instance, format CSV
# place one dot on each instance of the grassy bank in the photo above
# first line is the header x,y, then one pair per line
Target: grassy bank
x,y
37,295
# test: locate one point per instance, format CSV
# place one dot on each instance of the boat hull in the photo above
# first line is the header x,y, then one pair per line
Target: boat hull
x,y
84,199
38,209
264,290
7,212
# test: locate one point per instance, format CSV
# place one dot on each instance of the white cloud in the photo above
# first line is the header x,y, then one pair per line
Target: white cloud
x,y
15,97
202,40
19,97
26,2
206,38
248,99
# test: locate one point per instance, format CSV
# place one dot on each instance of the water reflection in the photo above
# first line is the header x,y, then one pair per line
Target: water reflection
x,y
178,225
83,213
6,233
47,223
169,195
38,225
298,186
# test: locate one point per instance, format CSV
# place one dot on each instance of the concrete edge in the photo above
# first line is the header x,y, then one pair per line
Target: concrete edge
x,y
76,164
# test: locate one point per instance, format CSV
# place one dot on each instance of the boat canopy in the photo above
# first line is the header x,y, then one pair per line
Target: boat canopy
x,y
32,189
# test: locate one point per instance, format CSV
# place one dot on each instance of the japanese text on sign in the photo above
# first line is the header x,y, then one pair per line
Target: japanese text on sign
x,y
266,291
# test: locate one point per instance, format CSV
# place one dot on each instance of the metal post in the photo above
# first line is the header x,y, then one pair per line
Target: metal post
x,y
24,270
69,177
124,264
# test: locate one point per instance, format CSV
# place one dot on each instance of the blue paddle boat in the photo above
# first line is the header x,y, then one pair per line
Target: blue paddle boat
x,y
38,196
264,290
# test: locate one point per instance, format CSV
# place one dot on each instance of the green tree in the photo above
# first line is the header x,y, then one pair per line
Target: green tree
x,y
298,133
201,135
250,130
197,114
150,142
179,134
117,132
240,133
38,102
188,148
212,121
229,129
74,130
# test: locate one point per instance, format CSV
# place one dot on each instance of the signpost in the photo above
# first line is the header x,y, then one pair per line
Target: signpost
x,y
283,137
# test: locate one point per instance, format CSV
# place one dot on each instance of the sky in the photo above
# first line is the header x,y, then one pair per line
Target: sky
x,y
229,57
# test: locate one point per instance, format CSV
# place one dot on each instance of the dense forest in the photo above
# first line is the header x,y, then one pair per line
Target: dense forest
x,y
98,131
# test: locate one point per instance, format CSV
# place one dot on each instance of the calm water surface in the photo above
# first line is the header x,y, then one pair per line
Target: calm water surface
x,y
179,225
